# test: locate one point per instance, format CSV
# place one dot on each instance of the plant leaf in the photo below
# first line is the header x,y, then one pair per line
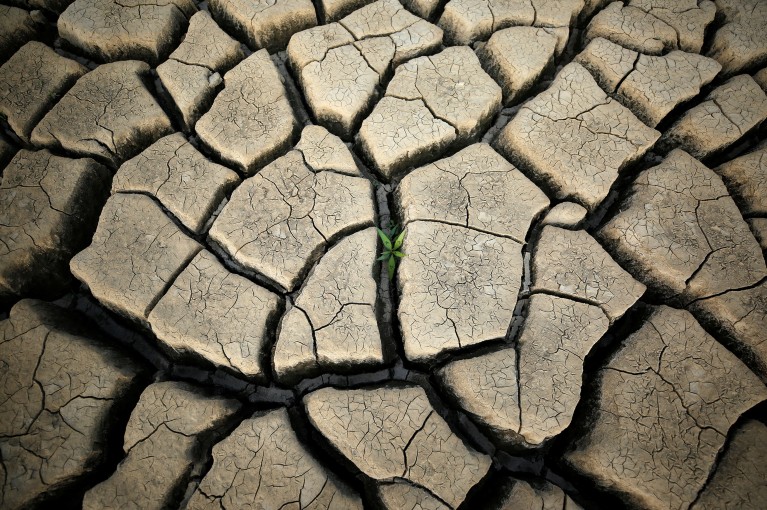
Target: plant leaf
x,y
398,254
384,239
399,239
383,257
392,263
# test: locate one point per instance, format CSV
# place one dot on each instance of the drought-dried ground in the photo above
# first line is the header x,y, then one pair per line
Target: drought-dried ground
x,y
192,313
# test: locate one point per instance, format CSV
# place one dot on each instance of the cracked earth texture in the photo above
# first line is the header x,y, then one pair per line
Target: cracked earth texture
x,y
192,310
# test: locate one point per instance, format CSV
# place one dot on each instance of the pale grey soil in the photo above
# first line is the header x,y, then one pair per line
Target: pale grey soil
x,y
192,309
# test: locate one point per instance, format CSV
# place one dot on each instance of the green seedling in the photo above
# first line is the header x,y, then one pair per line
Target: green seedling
x,y
392,247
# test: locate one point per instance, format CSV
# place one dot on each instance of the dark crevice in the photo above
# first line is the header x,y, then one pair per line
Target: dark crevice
x,y
585,415
71,495
164,99
722,332
734,289
203,453
617,88
758,413
322,450
295,97
235,267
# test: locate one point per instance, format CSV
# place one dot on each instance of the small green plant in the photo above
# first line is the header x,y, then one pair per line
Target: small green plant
x,y
392,241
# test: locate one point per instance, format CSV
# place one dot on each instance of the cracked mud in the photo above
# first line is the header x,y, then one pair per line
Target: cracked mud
x,y
195,312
